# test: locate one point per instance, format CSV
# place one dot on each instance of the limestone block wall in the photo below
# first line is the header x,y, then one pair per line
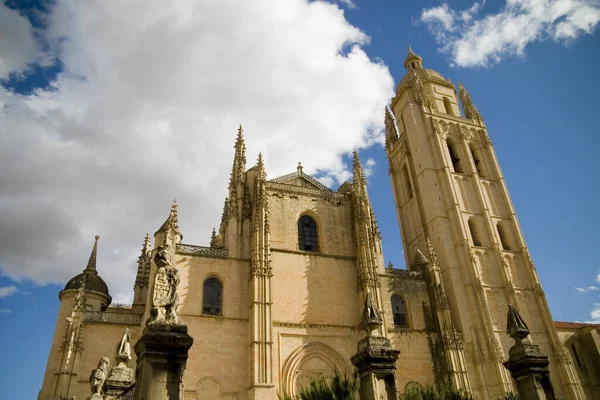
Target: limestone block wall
x,y
415,362
100,340
582,341
218,361
332,214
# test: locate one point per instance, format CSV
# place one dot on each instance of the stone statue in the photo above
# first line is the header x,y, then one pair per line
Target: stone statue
x,y
121,376
371,318
164,297
124,352
98,377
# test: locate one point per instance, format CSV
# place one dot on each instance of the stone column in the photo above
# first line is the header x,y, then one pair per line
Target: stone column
x,y
526,363
162,353
375,359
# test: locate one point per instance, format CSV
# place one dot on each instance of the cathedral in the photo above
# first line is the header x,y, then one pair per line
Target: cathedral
x,y
276,298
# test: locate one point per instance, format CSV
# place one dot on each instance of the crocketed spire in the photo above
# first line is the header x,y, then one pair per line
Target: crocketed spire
x,y
91,265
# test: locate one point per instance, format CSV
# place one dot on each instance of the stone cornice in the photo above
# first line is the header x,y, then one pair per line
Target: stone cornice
x,y
313,253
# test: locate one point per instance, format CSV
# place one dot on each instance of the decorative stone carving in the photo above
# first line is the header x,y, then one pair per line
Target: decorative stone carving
x,y
97,379
203,251
79,304
465,134
164,296
371,317
106,317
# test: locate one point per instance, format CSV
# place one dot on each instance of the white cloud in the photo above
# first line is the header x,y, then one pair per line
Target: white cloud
x,y
369,167
587,289
17,43
476,42
7,291
595,314
348,3
146,110
5,311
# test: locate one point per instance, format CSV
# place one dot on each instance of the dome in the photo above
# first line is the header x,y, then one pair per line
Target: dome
x,y
92,282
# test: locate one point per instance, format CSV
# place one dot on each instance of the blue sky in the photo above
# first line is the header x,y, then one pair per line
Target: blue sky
x,y
108,111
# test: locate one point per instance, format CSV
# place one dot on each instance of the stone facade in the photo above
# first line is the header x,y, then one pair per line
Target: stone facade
x,y
277,299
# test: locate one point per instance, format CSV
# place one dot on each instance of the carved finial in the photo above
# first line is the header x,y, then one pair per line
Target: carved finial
x,y
516,328
213,238
91,266
371,317
390,265
471,111
300,172
260,165
146,248
171,222
410,50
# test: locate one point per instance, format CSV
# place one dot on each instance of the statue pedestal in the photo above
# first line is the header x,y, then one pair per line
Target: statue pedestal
x,y
118,381
529,368
375,362
162,352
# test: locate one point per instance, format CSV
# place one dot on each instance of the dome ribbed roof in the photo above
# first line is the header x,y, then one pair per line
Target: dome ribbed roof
x,y
92,282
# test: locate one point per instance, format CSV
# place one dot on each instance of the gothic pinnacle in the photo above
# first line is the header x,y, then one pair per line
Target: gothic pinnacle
x,y
213,238
146,247
91,266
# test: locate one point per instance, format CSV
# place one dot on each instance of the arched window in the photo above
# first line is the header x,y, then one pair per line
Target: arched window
x,y
448,106
407,184
503,237
456,165
474,232
307,234
477,161
211,296
399,311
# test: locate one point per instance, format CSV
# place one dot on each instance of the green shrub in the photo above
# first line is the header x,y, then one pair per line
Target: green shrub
x,y
337,387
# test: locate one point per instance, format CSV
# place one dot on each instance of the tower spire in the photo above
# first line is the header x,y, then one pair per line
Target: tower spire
x,y
91,266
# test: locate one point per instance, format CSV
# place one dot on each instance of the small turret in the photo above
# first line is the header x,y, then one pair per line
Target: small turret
x,y
412,61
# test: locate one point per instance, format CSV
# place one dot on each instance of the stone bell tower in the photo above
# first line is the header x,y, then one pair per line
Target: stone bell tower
x,y
450,194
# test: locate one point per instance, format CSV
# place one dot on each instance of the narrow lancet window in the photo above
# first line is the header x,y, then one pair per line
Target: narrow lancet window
x,y
407,184
399,311
503,236
477,161
307,234
456,165
211,296
448,106
474,232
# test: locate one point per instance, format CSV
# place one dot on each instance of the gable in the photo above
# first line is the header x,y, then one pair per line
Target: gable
x,y
300,180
